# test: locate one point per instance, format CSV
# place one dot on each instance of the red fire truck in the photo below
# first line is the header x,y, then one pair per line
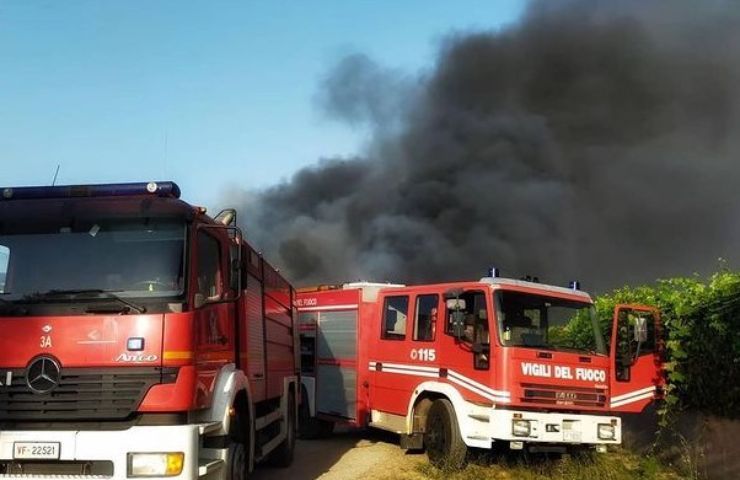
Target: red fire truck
x,y
139,338
476,364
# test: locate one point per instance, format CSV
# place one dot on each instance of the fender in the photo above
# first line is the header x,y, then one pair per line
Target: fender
x,y
474,431
229,382
289,384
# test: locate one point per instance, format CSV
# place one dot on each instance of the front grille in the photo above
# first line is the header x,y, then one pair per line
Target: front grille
x,y
82,394
566,396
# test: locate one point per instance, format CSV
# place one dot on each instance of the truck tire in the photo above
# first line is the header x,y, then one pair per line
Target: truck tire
x,y
283,455
444,444
236,462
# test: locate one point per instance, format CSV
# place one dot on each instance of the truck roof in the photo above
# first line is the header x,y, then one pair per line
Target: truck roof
x,y
370,290
18,204
55,208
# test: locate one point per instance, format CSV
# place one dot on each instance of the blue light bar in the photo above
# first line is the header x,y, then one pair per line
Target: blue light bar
x,y
574,285
159,189
493,272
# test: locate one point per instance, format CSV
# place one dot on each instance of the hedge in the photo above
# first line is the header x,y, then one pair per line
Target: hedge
x,y
701,320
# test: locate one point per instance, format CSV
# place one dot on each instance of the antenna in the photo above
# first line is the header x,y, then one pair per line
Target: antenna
x,y
56,174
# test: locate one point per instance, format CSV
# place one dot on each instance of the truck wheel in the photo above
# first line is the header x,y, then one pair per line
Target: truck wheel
x,y
236,462
444,444
283,455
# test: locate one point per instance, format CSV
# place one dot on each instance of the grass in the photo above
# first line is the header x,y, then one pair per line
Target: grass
x,y
615,465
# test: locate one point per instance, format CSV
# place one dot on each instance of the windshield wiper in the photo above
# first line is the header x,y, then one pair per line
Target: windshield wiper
x,y
100,294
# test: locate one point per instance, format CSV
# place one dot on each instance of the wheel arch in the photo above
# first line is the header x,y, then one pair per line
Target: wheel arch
x,y
231,386
425,393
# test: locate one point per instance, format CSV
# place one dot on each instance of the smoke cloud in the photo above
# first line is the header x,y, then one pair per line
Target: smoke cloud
x,y
590,140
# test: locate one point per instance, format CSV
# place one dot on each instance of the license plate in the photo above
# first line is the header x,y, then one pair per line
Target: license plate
x,y
36,450
572,436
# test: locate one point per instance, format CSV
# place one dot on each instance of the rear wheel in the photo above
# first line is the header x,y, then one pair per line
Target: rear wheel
x,y
444,444
236,462
283,455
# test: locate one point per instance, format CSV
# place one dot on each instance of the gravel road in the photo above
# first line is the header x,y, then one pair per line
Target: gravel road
x,y
346,455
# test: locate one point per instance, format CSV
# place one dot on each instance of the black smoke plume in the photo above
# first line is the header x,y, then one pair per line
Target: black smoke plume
x,y
593,139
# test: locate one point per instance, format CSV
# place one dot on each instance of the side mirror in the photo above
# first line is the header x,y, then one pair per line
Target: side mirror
x,y
235,261
640,330
236,275
458,324
457,306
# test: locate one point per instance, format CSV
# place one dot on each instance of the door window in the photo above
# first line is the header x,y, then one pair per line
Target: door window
x,y
395,314
425,321
4,262
636,337
475,326
209,267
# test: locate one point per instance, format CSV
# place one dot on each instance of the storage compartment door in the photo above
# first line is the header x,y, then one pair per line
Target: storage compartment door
x,y
336,389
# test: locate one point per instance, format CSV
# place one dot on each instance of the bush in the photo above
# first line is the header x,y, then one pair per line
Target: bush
x,y
702,331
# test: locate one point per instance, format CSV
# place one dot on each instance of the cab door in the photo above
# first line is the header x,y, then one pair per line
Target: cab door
x,y
636,357
213,314
395,374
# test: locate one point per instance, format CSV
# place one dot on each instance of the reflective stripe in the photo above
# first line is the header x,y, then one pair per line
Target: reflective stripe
x,y
625,396
410,367
497,393
412,373
452,376
465,385
632,397
328,307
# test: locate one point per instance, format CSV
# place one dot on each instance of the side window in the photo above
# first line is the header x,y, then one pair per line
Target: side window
x,y
395,314
4,263
209,266
475,317
425,323
476,330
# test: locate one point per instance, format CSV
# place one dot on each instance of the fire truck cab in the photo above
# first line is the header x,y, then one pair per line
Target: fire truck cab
x,y
476,364
139,337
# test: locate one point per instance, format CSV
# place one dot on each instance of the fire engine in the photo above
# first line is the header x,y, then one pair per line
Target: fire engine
x,y
139,337
484,364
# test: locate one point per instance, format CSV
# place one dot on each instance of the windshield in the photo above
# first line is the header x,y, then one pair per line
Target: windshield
x,y
133,258
537,321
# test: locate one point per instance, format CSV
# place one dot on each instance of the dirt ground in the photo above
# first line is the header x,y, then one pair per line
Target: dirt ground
x,y
345,455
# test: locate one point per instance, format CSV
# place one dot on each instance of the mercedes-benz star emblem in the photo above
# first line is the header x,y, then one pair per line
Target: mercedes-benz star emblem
x,y
43,374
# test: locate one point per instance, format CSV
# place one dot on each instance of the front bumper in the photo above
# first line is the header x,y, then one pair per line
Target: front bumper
x,y
554,428
107,447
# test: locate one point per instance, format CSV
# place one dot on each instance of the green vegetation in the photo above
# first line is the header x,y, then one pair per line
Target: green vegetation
x,y
702,333
616,465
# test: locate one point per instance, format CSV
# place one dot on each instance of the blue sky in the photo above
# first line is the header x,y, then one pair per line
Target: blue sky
x,y
205,93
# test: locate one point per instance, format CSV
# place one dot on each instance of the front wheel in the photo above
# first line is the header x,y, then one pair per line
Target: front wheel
x,y
444,444
236,462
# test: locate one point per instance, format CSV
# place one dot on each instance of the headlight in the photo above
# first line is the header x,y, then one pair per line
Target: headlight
x,y
607,432
521,428
155,464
